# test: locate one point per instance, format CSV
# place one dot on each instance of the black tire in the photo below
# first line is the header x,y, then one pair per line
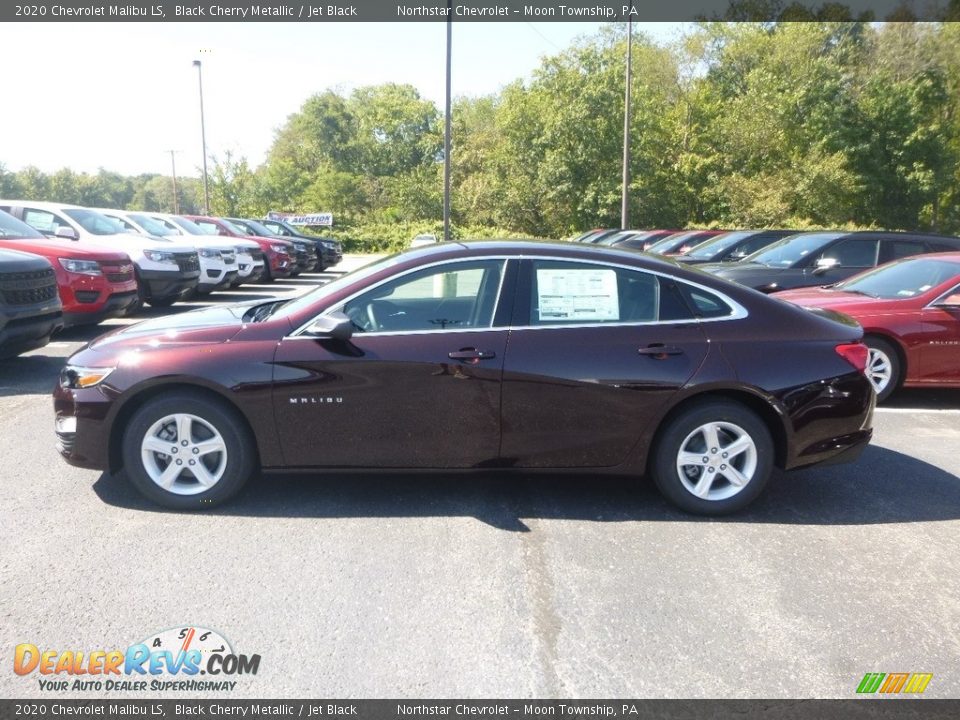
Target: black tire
x,y
881,351
240,461
267,276
680,430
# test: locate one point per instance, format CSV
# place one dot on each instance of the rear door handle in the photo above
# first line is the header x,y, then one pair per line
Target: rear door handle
x,y
471,354
659,351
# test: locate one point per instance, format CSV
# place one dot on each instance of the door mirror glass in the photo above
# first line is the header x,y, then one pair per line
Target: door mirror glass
x,y
335,326
66,232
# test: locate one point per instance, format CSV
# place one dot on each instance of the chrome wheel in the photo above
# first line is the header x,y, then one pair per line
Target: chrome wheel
x,y
717,460
183,454
879,370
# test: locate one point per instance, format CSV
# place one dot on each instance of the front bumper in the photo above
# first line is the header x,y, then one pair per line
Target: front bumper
x,y
81,428
19,335
330,257
163,284
116,305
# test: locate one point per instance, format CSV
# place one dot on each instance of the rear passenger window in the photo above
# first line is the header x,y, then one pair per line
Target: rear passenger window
x,y
853,252
572,293
707,305
900,249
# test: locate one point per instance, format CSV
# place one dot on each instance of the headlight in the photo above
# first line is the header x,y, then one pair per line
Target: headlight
x,y
74,377
330,245
160,256
82,267
281,249
209,253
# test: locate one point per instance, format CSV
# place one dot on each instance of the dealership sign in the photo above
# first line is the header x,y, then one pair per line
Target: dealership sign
x,y
325,219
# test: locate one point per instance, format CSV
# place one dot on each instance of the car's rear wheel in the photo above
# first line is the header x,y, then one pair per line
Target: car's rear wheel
x,y
714,458
884,370
186,452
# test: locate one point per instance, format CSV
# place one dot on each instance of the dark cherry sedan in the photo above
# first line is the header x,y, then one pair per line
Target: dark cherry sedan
x,y
910,313
517,355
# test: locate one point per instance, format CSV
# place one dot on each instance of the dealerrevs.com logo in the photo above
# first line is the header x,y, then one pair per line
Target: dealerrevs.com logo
x,y
179,659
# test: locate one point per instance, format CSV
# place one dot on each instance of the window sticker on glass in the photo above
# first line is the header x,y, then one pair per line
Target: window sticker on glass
x,y
577,294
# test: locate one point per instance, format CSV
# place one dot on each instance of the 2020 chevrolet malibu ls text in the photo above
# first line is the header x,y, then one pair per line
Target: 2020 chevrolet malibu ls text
x,y
523,355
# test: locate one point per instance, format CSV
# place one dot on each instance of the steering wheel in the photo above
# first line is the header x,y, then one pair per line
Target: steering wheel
x,y
360,320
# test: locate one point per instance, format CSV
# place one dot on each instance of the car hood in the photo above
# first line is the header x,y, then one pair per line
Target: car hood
x,y
138,242
204,326
845,302
66,249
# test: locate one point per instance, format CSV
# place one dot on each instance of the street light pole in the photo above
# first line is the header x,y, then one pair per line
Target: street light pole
x,y
625,198
203,138
176,197
446,129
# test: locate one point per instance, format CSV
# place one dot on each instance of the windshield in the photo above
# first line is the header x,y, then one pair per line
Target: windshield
x,y
10,227
305,301
154,227
93,222
255,228
671,242
717,245
233,227
791,250
904,279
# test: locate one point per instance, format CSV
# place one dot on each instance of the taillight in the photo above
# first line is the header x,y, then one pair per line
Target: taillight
x,y
855,354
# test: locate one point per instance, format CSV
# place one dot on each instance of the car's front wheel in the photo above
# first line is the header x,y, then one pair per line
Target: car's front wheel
x,y
714,458
883,367
187,452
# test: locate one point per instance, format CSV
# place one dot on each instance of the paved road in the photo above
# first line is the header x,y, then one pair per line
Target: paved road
x,y
485,586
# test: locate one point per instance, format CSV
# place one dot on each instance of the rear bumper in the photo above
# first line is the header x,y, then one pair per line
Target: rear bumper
x,y
116,305
20,335
160,285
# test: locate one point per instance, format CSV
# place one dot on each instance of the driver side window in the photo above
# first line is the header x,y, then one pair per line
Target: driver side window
x,y
447,297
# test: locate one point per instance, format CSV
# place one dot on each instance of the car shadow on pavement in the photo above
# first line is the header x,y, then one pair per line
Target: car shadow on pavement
x,y
883,487
29,375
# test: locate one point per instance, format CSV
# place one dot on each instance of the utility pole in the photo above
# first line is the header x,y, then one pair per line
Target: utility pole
x,y
446,129
203,139
625,199
176,197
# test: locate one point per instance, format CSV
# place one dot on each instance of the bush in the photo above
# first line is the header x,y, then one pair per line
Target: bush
x,y
393,237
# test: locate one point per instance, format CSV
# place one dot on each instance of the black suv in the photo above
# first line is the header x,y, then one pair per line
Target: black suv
x,y
824,258
30,310
329,251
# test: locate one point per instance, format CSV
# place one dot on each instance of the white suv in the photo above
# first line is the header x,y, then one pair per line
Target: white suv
x,y
250,261
218,260
165,272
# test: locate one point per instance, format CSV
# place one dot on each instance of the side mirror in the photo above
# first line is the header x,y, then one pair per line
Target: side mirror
x,y
950,302
335,326
823,264
66,232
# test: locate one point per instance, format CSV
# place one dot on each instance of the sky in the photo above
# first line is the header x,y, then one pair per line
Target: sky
x,y
122,95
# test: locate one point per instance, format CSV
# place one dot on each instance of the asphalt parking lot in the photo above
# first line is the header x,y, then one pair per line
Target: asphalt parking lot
x,y
359,586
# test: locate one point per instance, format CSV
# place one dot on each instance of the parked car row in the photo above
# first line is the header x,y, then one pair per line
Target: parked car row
x,y
104,263
902,287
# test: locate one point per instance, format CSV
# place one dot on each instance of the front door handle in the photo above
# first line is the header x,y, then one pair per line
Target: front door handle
x,y
659,351
471,354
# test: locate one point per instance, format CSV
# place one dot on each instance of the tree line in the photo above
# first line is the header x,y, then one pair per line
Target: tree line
x,y
813,124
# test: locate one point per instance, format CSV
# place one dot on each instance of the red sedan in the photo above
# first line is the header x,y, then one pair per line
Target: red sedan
x,y
910,313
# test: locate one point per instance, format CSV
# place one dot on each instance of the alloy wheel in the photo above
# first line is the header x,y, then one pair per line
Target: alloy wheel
x,y
879,370
717,460
184,454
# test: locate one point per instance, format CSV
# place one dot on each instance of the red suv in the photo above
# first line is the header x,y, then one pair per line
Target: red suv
x,y
279,255
94,283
